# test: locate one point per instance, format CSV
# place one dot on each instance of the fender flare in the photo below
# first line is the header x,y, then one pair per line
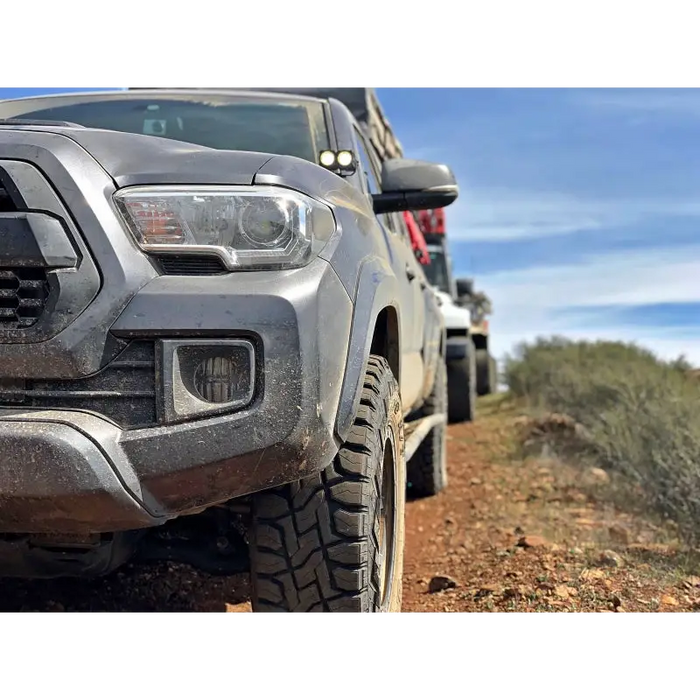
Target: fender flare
x,y
377,289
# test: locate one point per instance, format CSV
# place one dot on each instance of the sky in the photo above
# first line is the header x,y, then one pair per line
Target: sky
x,y
578,211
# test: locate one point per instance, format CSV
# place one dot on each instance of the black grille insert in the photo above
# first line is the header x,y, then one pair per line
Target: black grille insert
x,y
191,265
23,295
124,391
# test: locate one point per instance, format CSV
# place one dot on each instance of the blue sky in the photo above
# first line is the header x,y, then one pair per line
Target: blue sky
x,y
579,211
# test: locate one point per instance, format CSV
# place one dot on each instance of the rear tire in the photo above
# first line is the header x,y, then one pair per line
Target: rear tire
x,y
493,375
461,387
334,542
483,373
427,469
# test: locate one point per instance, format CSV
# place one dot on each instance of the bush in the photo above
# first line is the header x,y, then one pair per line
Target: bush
x,y
641,414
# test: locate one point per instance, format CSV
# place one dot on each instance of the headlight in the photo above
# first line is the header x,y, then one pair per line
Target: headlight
x,y
248,227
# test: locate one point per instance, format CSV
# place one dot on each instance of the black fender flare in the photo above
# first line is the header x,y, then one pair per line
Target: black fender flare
x,y
377,289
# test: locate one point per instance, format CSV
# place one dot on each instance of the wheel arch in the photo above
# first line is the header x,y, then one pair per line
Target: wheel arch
x,y
375,329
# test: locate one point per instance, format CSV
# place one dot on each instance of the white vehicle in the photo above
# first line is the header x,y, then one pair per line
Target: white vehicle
x,y
460,351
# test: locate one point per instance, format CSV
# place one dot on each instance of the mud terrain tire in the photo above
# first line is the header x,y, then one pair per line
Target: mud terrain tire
x,y
334,542
427,469
461,388
485,379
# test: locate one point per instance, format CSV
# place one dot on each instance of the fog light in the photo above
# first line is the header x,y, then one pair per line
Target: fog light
x,y
206,376
215,379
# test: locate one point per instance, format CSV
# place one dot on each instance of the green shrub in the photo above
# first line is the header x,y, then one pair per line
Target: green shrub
x,y
641,414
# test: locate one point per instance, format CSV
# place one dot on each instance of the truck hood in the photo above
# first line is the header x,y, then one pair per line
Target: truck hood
x,y
135,159
455,316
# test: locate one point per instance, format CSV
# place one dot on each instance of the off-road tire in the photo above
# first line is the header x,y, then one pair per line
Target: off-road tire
x,y
484,369
493,375
315,544
461,388
427,469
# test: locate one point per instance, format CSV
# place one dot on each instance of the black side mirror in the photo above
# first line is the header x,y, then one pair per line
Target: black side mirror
x,y
414,184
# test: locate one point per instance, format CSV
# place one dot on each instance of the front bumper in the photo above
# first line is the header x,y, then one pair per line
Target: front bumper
x,y
76,472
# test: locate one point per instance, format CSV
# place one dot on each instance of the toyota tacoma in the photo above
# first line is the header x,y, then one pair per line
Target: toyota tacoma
x,y
216,344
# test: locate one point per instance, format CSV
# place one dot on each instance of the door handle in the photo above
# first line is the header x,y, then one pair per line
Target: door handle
x,y
410,273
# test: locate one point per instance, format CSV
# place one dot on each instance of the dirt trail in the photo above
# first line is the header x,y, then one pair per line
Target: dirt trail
x,y
507,534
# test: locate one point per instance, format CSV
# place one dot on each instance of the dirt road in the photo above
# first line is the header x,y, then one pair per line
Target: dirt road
x,y
507,534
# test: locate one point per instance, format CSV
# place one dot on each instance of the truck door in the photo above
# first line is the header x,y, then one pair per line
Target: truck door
x,y
409,277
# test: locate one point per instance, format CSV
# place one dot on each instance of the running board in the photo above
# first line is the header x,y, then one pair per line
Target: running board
x,y
417,430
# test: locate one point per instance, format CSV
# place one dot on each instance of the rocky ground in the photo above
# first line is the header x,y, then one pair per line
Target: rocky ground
x,y
510,533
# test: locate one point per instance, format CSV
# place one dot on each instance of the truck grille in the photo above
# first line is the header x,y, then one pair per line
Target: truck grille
x,y
124,391
23,295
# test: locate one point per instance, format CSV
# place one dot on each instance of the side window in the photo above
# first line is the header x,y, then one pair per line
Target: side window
x,y
371,178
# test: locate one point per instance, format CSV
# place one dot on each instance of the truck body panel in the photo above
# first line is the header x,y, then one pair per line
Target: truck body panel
x,y
86,387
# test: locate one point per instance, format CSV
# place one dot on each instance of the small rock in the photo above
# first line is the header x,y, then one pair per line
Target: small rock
x,y
449,521
576,551
441,583
488,589
669,600
595,475
532,541
610,558
238,607
692,582
591,575
620,534
564,592
475,482
615,602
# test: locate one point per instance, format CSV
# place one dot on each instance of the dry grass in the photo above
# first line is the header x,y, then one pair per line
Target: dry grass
x,y
636,416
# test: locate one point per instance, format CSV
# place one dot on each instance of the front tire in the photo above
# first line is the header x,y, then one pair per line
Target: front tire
x,y
334,542
427,469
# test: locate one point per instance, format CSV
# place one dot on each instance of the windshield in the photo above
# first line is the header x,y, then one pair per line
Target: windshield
x,y
436,271
283,127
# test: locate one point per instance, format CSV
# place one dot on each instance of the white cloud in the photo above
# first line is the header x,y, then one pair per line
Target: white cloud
x,y
493,215
526,302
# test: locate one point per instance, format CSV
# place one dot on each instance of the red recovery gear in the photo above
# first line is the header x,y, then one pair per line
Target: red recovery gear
x,y
432,220
417,240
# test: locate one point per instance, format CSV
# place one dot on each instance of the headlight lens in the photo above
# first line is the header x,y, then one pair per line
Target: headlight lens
x,y
249,228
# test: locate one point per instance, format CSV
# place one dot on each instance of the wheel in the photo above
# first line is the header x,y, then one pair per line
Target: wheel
x,y
427,469
461,388
483,373
493,375
334,542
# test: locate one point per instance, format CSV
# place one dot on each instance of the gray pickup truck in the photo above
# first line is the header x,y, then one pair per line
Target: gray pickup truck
x,y
216,344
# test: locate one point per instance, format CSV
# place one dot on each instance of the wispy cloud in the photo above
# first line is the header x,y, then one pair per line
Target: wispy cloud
x,y
533,302
504,215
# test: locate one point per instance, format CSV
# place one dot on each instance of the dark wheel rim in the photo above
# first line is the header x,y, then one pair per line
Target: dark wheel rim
x,y
387,527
